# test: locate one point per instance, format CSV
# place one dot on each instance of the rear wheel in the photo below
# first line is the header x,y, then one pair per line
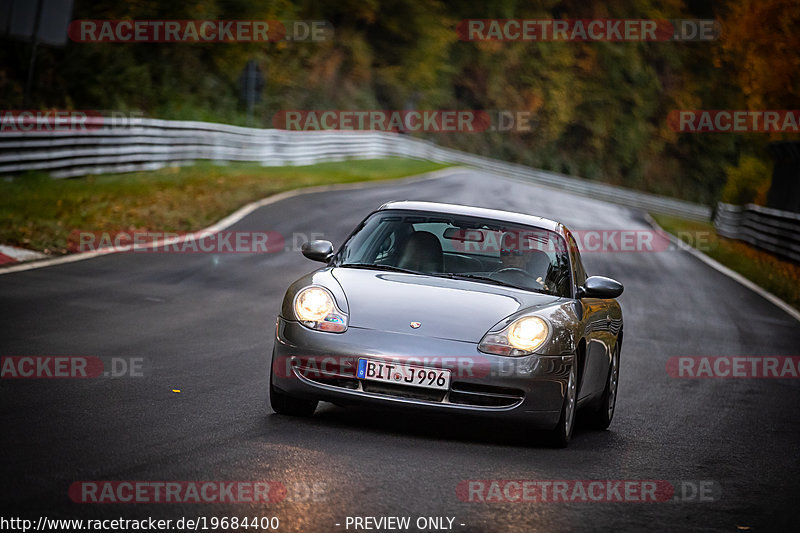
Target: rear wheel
x,y
601,418
561,435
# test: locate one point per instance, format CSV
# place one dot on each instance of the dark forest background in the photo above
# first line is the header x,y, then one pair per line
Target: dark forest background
x,y
600,108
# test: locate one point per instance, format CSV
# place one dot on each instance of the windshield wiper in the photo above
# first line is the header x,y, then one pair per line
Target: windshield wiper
x,y
371,266
493,280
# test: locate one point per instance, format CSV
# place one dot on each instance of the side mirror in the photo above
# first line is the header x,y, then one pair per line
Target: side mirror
x,y
600,287
318,250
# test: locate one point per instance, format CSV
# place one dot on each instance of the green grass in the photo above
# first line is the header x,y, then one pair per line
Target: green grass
x,y
43,214
778,276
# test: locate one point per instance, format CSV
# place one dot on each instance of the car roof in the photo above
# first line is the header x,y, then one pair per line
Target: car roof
x,y
480,212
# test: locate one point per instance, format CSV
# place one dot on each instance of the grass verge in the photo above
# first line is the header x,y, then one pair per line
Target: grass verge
x,y
43,214
778,276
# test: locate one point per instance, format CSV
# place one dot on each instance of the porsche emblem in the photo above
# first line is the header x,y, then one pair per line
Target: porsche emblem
x,y
415,325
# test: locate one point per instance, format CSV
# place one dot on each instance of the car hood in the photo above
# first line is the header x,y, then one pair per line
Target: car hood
x,y
446,308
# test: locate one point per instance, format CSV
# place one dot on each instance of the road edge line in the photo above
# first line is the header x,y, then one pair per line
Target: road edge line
x,y
229,220
719,267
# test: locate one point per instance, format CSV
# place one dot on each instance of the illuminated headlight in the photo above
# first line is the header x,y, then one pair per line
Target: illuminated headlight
x,y
314,308
522,337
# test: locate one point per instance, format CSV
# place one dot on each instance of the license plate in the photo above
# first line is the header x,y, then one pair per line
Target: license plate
x,y
402,374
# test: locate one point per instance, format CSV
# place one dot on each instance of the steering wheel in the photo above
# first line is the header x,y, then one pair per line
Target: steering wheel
x,y
512,270
519,275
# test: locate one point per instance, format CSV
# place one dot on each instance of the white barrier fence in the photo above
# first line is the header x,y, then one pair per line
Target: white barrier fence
x,y
149,144
769,229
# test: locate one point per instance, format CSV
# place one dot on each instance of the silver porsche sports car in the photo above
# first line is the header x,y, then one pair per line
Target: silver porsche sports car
x,y
452,308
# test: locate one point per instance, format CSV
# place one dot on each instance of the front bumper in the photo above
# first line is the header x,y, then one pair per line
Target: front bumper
x,y
321,366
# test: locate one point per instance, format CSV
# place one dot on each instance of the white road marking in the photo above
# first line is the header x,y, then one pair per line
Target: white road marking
x,y
719,267
228,221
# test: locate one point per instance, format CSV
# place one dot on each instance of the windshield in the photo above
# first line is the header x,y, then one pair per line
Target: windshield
x,y
460,247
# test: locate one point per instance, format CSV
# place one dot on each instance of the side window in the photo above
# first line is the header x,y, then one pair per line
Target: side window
x,y
376,241
578,271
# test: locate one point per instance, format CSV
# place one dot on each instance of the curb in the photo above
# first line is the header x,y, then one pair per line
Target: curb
x,y
228,220
14,254
719,267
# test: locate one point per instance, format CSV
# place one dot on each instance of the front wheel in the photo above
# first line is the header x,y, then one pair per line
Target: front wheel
x,y
288,405
601,418
561,435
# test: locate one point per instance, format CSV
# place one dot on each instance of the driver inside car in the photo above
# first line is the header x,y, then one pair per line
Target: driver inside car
x,y
534,263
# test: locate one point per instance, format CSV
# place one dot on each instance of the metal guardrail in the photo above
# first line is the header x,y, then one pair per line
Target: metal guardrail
x,y
151,144
769,229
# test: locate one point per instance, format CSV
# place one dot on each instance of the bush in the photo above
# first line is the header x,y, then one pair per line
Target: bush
x,y
748,182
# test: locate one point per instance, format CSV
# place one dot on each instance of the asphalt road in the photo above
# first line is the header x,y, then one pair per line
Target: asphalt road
x,y
205,324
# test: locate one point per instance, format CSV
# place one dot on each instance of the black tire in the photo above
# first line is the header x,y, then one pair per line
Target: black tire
x,y
561,435
601,418
288,405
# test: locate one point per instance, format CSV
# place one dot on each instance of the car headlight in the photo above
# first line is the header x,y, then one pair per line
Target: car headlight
x,y
314,308
522,337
